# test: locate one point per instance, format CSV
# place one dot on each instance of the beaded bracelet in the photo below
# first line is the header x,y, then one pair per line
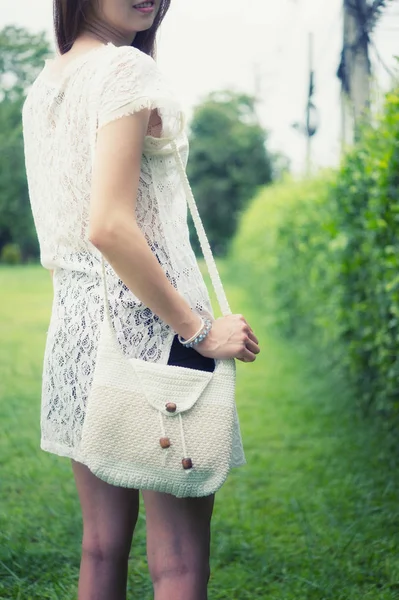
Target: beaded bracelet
x,y
199,336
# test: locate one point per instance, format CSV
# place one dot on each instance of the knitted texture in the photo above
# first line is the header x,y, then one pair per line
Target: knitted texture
x,y
123,447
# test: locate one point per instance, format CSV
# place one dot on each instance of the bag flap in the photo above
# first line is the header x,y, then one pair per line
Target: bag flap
x,y
161,384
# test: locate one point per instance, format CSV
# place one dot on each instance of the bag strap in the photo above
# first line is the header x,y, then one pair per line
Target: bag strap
x,y
205,247
203,239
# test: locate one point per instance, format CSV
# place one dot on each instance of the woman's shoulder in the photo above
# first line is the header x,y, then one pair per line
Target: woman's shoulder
x,y
125,58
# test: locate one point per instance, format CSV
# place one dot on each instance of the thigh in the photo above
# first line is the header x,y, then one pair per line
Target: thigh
x,y
109,512
178,530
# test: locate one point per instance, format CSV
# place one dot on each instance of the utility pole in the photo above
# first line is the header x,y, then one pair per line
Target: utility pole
x,y
354,70
309,126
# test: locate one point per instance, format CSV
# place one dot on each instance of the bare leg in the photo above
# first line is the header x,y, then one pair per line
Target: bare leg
x,y
178,538
109,518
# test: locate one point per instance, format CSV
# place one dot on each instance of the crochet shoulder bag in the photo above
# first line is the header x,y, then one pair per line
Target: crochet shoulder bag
x,y
159,427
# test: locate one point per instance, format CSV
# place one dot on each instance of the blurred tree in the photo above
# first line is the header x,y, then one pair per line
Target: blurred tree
x,y
228,161
21,57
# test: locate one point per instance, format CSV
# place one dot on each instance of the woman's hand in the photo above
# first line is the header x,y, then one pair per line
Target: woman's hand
x,y
230,337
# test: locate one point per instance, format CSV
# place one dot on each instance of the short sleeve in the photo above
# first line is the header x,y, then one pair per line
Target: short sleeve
x,y
130,82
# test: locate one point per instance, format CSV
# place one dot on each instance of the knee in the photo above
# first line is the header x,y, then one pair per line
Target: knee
x,y
178,568
103,551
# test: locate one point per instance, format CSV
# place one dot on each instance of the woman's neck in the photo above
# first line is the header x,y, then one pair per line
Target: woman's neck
x,y
97,30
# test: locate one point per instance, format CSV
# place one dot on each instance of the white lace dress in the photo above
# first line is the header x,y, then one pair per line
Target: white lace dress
x,y
61,117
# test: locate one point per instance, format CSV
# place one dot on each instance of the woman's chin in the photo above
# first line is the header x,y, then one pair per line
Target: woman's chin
x,y
138,27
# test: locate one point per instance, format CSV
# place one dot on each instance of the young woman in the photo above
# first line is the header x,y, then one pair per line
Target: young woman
x,y
98,124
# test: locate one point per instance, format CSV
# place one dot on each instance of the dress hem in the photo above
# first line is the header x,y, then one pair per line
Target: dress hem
x,y
66,452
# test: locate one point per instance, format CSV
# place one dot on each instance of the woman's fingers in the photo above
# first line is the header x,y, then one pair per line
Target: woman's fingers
x,y
246,356
249,352
252,346
249,331
253,337
251,349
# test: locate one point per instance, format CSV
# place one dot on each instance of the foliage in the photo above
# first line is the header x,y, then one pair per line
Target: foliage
x,y
11,254
374,11
228,161
327,252
288,238
21,57
367,195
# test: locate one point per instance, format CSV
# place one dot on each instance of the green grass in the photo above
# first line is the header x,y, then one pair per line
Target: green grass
x,y
314,515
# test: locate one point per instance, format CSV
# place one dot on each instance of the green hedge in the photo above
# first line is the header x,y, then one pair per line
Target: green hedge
x,y
325,254
367,194
289,246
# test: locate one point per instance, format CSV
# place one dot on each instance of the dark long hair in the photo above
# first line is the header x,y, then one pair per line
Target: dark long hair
x,y
69,18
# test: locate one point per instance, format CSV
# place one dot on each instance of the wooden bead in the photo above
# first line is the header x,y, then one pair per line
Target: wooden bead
x,y
165,442
187,463
171,407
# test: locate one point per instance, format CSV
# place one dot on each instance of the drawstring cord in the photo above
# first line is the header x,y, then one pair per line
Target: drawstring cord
x,y
182,438
165,450
183,443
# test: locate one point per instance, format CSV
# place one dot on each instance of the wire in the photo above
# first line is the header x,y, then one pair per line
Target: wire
x,y
381,60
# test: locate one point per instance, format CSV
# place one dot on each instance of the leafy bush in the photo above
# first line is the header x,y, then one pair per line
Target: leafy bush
x,y
367,196
228,162
288,238
325,254
11,254
21,59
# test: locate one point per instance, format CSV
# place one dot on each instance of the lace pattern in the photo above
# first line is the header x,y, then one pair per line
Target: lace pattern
x,y
61,118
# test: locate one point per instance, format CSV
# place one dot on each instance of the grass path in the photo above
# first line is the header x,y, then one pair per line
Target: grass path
x,y
314,515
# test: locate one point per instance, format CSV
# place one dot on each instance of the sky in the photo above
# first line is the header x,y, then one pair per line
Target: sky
x,y
256,46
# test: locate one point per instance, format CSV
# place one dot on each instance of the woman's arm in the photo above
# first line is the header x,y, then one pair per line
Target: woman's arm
x,y
113,228
114,231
